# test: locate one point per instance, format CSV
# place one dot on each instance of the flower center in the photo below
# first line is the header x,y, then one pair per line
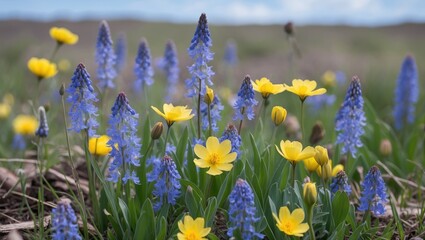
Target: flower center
x,y
214,159
288,227
191,236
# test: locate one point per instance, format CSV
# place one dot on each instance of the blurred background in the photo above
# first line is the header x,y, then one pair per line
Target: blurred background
x,y
368,38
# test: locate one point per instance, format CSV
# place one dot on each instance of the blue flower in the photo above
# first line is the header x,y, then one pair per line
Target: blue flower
x,y
231,133
19,142
120,52
82,97
169,64
64,222
340,183
199,51
350,119
374,194
170,149
215,111
167,184
43,128
319,101
245,101
242,211
122,130
230,54
406,93
105,57
142,67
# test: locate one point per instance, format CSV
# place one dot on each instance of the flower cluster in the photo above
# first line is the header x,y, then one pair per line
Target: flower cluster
x,y
340,183
374,194
199,51
291,223
142,67
170,65
215,112
406,93
43,128
126,151
242,211
64,222
231,133
350,119
42,68
246,101
105,57
167,182
120,52
230,53
82,97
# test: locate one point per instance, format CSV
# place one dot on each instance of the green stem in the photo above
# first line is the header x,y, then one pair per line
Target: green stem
x,y
209,121
302,121
198,111
166,138
58,45
293,174
240,123
41,189
92,187
310,222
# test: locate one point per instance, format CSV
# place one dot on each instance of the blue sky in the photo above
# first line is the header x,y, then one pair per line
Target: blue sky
x,y
350,12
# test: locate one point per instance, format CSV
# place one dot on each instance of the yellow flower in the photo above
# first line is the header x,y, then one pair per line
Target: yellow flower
x,y
278,115
304,88
291,223
215,155
42,67
321,156
64,65
310,164
265,87
4,110
329,170
25,125
99,145
174,113
329,79
8,99
209,96
63,36
310,193
294,152
192,229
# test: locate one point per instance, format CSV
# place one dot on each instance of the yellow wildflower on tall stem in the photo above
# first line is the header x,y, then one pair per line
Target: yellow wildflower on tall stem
x,y
310,199
291,223
62,36
266,88
192,229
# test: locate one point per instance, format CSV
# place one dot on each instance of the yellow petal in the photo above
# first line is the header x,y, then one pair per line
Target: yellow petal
x,y
159,112
229,157
225,167
284,213
201,151
298,216
301,228
213,145
201,163
225,147
214,171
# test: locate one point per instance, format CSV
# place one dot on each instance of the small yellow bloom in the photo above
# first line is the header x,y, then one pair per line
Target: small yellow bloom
x,y
192,229
294,152
265,87
42,67
305,88
4,110
291,223
99,145
25,124
321,156
209,96
329,170
174,113
310,164
63,36
310,193
8,99
215,155
278,115
64,65
329,79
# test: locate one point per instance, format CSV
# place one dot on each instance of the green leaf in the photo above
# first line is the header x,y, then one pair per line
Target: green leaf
x,y
210,211
146,223
124,210
397,220
340,206
162,233
192,202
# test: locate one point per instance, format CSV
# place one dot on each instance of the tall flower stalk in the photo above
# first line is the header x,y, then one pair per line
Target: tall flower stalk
x,y
142,67
245,102
120,52
105,58
170,65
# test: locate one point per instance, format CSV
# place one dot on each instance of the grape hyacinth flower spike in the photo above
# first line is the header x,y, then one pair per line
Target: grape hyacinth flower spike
x,y
170,65
43,128
82,97
64,222
122,130
230,53
105,58
120,52
231,133
374,194
242,211
215,108
142,67
340,183
350,119
406,93
245,102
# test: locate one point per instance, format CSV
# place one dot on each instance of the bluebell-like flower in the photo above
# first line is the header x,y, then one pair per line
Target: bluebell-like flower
x,y
169,64
230,54
43,128
167,182
122,131
105,58
340,77
350,119
231,133
242,211
82,97
374,193
245,101
340,183
215,111
199,51
406,93
319,101
19,142
170,149
64,222
120,52
142,67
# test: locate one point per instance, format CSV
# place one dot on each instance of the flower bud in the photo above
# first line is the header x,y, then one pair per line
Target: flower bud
x,y
310,193
321,156
62,89
209,96
289,28
327,171
278,115
292,126
385,147
310,164
157,130
317,133
99,145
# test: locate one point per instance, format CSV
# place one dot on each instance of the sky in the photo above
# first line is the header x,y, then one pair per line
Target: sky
x,y
234,12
